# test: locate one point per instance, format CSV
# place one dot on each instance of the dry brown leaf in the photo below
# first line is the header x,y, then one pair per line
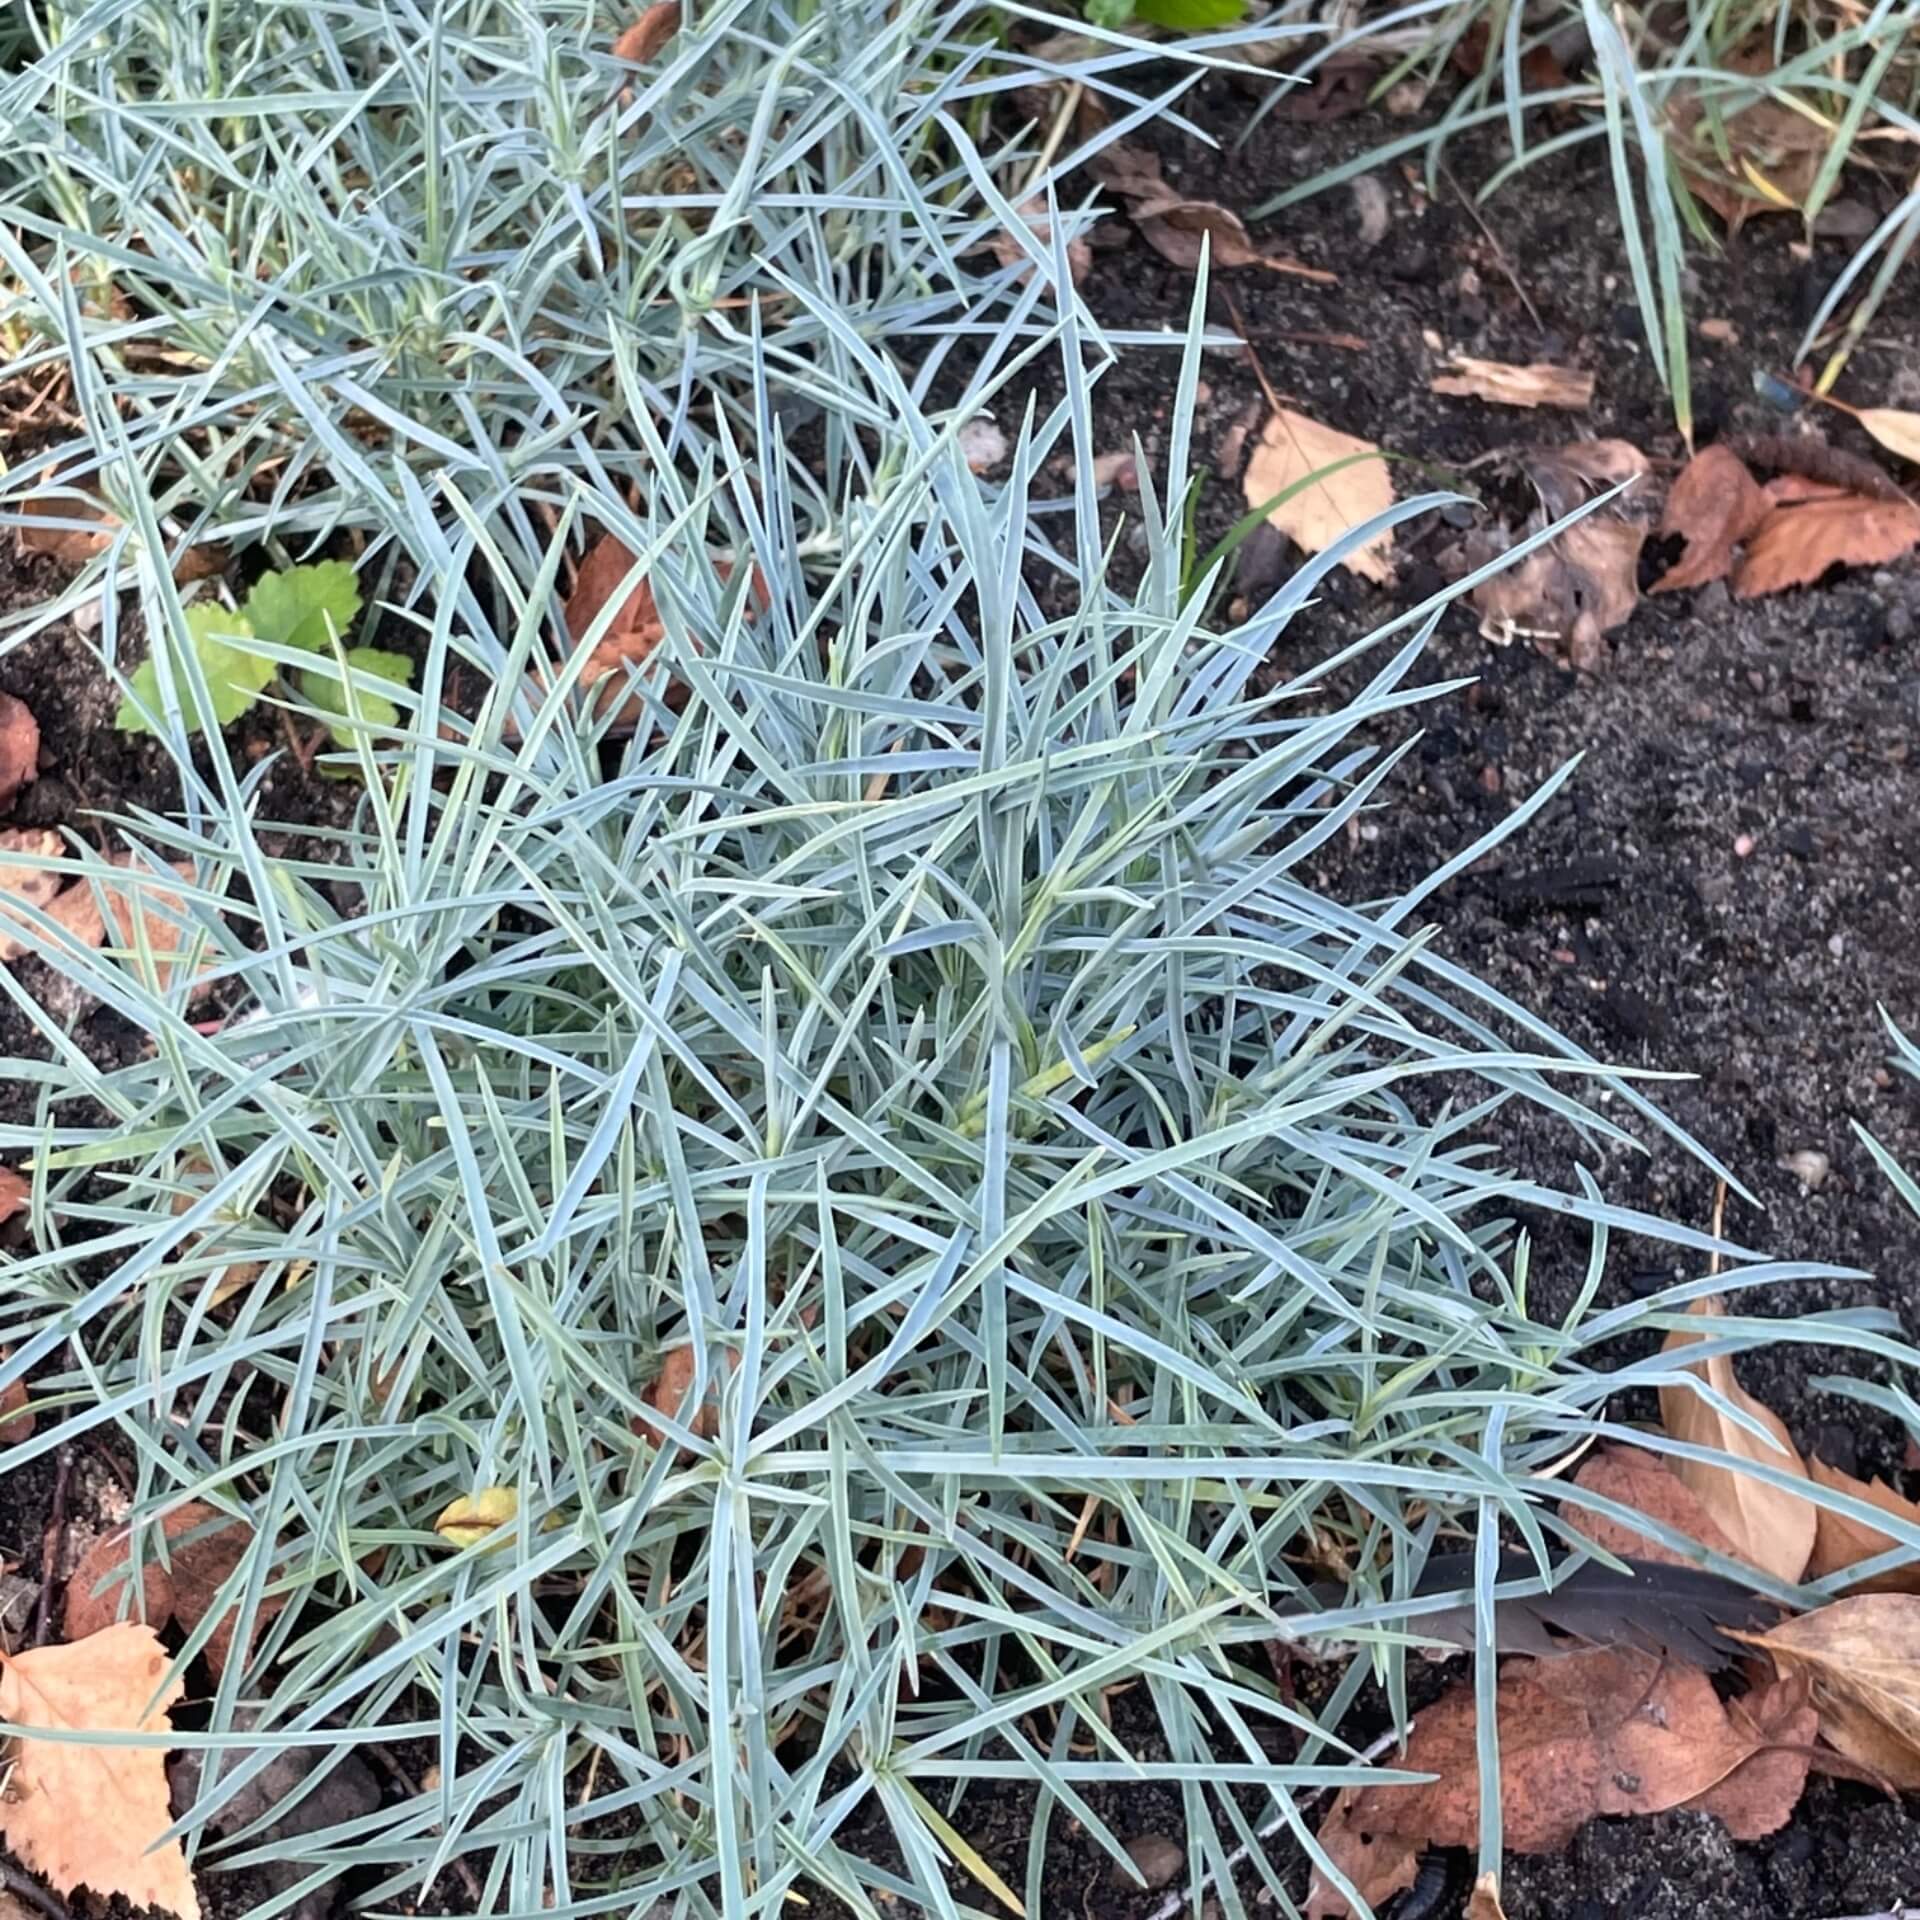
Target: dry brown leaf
x,y
162,914
19,747
1568,476
1572,591
1797,542
1483,1903
18,881
1290,449
1646,1483
86,1816
1379,1864
16,1414
1775,152
1758,1797
1715,505
655,27
1011,252
1862,1659
1538,385
203,1549
90,530
1839,1543
1895,430
243,1273
1178,229
1606,1732
669,1391
1770,1528
15,1192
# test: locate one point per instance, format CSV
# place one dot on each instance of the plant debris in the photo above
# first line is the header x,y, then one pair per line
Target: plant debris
x,y
1861,1657
1632,1477
1176,227
467,1521
19,748
1605,1732
1840,1542
1333,484
1770,1527
1715,505
1539,385
655,27
204,1550
1582,584
1803,536
90,1816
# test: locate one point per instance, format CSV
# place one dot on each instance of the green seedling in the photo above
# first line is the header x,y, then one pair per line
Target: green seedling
x,y
309,608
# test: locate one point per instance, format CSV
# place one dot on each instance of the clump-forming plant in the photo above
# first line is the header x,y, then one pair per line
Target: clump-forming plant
x,y
1082,1229
921,1032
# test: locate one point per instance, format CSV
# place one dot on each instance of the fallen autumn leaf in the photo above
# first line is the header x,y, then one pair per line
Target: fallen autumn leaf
x,y
1840,1542
1800,539
655,27
1714,506
1862,1658
1606,1732
19,748
1770,1527
92,1815
1632,1477
1294,452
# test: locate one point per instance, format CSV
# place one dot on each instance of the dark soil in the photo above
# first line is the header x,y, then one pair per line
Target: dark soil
x,y
1727,888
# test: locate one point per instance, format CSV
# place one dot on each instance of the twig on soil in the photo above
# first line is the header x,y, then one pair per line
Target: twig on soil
x,y
1172,1904
25,1887
54,1544
1499,252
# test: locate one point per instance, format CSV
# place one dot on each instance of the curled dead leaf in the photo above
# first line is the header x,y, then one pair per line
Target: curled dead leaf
x,y
1643,1481
1761,158
1334,483
231,1280
1758,1797
1606,1732
165,918
1180,230
1538,385
15,1193
1379,1864
204,1549
1801,538
19,747
64,525
23,881
17,1420
1572,592
1714,506
1861,1657
669,1393
655,27
1484,1901
91,1815
1770,1527
1840,1542
1011,251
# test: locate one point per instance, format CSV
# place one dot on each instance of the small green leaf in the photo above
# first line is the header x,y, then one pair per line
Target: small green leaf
x,y
325,687
1111,14
305,607
1191,16
234,674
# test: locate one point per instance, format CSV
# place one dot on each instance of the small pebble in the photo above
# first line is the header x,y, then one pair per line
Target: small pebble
x,y
1157,1860
1809,1166
983,444
1743,846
